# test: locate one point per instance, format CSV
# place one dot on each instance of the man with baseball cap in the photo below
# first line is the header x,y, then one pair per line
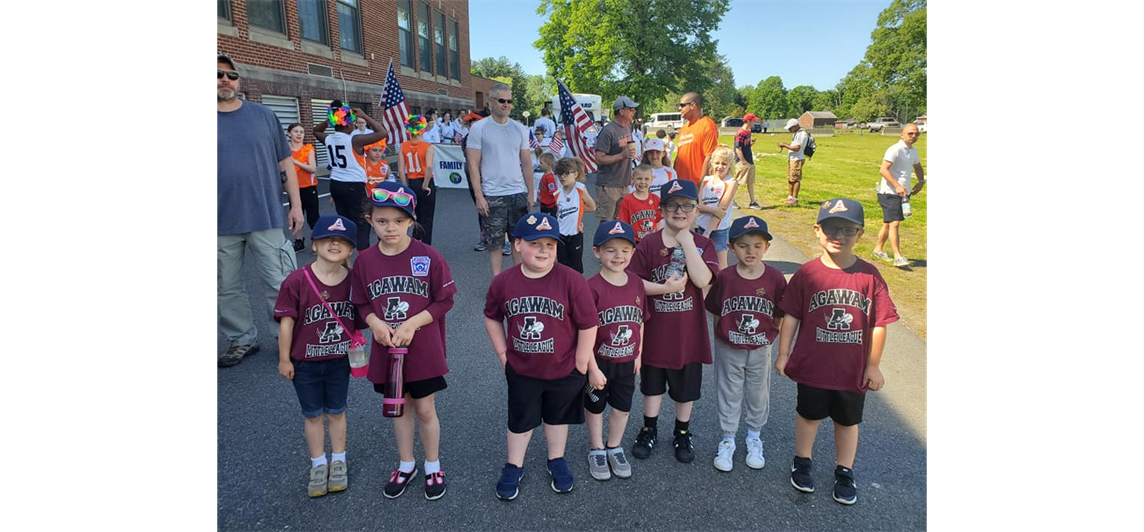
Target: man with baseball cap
x,y
615,150
795,159
746,159
252,150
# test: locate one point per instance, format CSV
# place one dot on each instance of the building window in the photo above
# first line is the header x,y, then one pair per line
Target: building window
x,y
224,9
423,37
405,32
312,18
267,14
439,42
349,27
454,53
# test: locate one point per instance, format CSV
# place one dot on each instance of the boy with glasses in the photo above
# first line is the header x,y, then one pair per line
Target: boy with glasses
x,y
676,344
846,307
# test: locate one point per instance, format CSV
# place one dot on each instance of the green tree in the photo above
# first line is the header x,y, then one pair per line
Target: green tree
x,y
643,49
769,99
800,100
891,78
507,72
743,96
539,89
719,97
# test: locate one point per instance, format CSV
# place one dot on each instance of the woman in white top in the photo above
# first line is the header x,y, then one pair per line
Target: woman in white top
x,y
446,127
432,132
347,177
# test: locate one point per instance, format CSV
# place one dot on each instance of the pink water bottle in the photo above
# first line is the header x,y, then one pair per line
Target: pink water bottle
x,y
393,401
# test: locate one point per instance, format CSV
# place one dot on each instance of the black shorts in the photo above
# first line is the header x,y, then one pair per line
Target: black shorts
x,y
619,389
681,384
845,408
557,401
419,389
891,207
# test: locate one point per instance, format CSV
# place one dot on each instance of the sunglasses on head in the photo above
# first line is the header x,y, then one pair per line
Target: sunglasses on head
x,y
230,74
399,197
503,101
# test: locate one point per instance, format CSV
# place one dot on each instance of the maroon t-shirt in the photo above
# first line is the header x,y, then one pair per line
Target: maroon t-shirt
x,y
745,309
838,310
545,316
676,335
397,288
621,311
317,335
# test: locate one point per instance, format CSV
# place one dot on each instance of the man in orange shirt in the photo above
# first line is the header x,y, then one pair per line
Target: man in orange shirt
x,y
696,140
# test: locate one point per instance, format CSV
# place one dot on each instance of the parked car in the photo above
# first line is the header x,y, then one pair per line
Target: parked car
x,y
881,123
757,128
732,122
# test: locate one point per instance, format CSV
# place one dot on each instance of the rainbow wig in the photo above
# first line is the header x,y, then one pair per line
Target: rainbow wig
x,y
415,125
341,116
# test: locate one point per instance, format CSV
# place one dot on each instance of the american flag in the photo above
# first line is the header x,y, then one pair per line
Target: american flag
x,y
396,111
576,123
456,137
556,145
532,141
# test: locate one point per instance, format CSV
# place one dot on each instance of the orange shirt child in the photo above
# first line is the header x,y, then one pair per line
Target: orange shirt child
x,y
305,179
414,155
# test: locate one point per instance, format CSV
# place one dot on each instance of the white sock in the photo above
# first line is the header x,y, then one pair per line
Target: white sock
x,y
319,461
754,434
407,467
432,467
338,457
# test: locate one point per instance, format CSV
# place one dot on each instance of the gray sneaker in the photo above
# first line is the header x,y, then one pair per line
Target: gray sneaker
x,y
235,353
507,249
339,479
619,462
598,465
318,479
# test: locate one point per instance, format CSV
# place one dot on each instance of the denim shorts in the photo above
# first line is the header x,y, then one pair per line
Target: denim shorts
x,y
322,386
719,237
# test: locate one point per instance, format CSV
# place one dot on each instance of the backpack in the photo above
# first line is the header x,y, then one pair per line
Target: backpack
x,y
808,150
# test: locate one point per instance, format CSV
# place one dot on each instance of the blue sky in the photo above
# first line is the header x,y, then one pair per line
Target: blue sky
x,y
806,42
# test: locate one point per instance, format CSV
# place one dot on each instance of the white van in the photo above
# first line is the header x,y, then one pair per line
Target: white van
x,y
665,121
591,103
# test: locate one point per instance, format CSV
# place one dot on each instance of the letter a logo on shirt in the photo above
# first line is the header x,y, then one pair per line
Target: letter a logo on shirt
x,y
838,207
618,229
337,226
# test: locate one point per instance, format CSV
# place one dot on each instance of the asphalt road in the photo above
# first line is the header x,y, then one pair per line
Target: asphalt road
x,y
263,465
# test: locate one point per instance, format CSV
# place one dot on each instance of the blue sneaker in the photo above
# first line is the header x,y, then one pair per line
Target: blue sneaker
x,y
561,475
508,487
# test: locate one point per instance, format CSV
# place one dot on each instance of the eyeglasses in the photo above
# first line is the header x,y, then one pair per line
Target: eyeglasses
x,y
685,104
401,198
504,101
673,207
830,230
230,74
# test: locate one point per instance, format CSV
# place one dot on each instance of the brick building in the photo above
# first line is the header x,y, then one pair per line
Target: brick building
x,y
298,55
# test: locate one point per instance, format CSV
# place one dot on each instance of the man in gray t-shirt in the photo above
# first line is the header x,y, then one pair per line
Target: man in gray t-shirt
x,y
614,153
252,150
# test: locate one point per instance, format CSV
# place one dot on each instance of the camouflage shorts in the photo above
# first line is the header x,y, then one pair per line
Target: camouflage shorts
x,y
504,211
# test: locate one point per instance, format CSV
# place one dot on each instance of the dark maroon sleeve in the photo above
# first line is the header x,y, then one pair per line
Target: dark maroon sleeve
x,y
639,263
583,304
494,298
643,300
714,297
791,303
359,297
884,311
711,258
444,288
779,289
286,306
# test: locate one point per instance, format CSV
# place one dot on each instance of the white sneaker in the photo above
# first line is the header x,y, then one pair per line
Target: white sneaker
x,y
755,458
901,261
724,454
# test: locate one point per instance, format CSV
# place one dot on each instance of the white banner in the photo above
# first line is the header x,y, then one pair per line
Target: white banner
x,y
449,166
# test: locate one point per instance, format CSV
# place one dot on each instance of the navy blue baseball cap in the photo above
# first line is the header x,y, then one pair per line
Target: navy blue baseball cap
x,y
334,225
843,208
537,225
614,229
678,187
749,224
396,195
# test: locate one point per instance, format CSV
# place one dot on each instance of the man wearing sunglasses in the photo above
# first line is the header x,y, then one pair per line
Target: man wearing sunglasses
x,y
696,140
251,152
500,170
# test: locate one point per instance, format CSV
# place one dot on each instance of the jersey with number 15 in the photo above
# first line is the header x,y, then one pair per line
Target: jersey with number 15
x,y
343,165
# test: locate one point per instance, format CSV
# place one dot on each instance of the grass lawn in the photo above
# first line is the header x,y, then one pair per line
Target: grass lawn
x,y
844,165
